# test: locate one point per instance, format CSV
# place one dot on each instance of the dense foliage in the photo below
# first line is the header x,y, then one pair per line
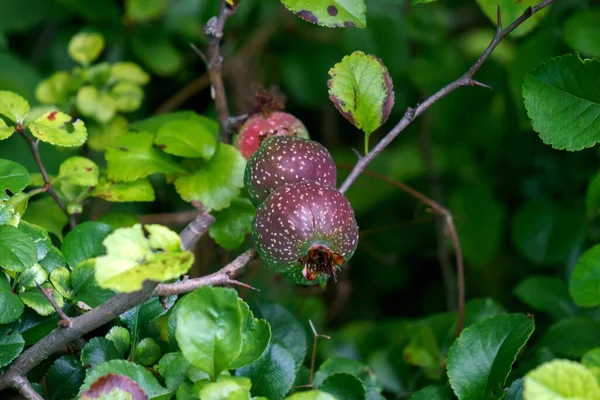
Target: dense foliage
x,y
115,135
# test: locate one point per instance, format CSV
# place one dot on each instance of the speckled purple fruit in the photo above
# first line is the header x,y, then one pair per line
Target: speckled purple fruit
x,y
283,160
257,128
305,231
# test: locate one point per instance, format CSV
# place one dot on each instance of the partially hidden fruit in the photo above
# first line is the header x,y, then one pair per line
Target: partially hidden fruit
x,y
282,160
258,127
306,231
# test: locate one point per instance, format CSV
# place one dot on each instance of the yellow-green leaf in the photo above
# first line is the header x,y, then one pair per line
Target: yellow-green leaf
x,y
95,104
56,128
79,171
13,106
129,72
123,192
561,380
331,13
85,47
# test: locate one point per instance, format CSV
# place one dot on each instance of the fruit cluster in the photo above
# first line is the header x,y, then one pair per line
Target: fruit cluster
x,y
304,228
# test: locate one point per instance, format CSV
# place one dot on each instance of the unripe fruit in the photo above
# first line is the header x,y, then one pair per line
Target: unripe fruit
x,y
283,160
258,127
305,231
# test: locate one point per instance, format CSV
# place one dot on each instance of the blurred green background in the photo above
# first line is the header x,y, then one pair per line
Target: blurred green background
x,y
519,205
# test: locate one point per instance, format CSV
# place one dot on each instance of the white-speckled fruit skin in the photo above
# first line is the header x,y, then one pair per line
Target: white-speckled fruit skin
x,y
298,216
282,160
248,138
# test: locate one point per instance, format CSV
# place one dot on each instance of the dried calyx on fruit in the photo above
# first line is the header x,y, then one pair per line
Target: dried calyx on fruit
x,y
259,127
283,160
305,231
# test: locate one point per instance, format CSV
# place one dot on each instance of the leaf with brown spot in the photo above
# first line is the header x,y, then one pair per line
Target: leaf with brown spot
x,y
330,13
362,90
113,386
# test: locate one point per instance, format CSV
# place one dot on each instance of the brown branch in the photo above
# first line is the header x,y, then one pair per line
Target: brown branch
x,y
33,146
224,276
24,387
65,321
196,229
214,61
464,80
451,230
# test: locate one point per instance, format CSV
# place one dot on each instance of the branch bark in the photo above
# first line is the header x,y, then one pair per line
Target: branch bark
x,y
464,80
25,388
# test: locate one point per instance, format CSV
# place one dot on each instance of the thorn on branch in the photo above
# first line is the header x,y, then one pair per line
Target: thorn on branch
x,y
499,16
65,321
164,302
358,155
242,284
473,82
199,52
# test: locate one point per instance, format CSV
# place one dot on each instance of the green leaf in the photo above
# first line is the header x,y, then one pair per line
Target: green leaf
x,y
162,238
17,250
591,360
64,378
592,198
256,335
11,307
333,13
153,124
273,374
361,371
188,138
480,360
84,242
479,309
561,380
562,105
85,288
143,10
61,279
102,136
46,214
56,128
85,47
97,351
53,260
515,391
414,2
311,395
218,183
547,294
209,328
584,286
13,177
54,90
156,51
147,352
432,393
512,10
118,219
11,345
13,106
127,96
361,89
79,171
33,276
120,338
34,299
39,236
133,157
343,386
233,224
479,219
92,103
120,192
114,387
228,388
286,329
5,130
545,233
129,259
580,30
572,337
137,373
172,367
142,315
128,72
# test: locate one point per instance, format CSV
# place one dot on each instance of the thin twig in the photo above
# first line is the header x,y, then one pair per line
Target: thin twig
x,y
224,276
464,80
65,321
316,337
214,61
33,146
451,229
22,384
193,87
